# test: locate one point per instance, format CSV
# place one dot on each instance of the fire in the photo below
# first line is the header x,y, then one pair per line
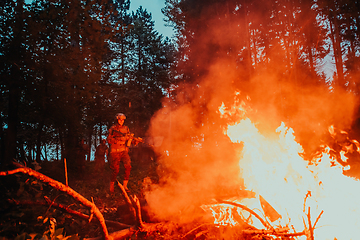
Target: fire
x,y
222,213
272,167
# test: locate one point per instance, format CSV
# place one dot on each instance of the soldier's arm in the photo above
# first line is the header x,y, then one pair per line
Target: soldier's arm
x,y
135,140
110,138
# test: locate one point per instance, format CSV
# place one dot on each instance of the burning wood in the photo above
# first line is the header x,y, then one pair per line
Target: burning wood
x,y
134,206
269,212
246,228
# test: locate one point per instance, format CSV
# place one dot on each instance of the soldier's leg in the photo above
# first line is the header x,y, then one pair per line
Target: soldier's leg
x,y
114,166
127,165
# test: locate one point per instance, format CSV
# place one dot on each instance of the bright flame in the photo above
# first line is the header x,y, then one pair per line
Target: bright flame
x,y
274,169
222,213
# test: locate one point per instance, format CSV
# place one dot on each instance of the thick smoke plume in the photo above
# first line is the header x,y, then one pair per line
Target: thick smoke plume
x,y
198,162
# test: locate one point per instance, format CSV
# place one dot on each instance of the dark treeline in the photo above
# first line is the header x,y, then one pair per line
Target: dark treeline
x,y
286,35
67,67
291,41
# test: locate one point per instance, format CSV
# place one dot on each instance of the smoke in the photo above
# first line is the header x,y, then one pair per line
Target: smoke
x,y
198,162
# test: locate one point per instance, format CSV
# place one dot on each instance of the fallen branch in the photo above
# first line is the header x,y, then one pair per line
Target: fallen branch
x,y
136,203
61,187
296,234
68,210
266,224
199,234
126,233
46,203
195,229
127,199
118,235
276,231
134,206
280,232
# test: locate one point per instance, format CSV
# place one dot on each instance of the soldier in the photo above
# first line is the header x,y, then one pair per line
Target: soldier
x,y
100,154
119,139
82,150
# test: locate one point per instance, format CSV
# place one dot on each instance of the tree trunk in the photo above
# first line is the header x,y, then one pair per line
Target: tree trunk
x,y
14,91
38,141
89,144
311,60
10,143
248,34
43,112
122,61
336,39
45,153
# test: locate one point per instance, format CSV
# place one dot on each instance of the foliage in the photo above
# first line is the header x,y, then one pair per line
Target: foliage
x,y
62,85
51,234
269,50
68,67
254,34
30,217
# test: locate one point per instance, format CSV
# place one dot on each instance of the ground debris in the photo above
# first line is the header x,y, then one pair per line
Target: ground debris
x,y
33,207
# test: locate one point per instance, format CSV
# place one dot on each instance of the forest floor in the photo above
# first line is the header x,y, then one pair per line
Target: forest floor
x,y
29,208
28,217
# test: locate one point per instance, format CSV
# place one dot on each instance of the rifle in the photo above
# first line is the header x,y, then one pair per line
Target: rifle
x,y
117,135
136,140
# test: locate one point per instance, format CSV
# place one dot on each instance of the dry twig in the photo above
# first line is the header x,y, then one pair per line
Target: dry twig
x,y
195,229
127,199
311,230
134,206
317,219
61,187
81,215
266,224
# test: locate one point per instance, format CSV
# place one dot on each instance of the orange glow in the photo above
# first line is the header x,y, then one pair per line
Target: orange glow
x,y
217,145
222,214
273,168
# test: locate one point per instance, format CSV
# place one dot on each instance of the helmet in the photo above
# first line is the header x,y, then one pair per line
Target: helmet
x,y
120,116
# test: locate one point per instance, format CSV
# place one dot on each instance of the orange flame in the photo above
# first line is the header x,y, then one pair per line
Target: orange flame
x,y
222,213
273,168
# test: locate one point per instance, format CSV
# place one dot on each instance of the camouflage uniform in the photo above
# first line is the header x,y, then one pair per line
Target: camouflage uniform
x,y
118,137
100,153
82,150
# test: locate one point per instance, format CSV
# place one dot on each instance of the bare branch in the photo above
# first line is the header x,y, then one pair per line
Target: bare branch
x,y
127,199
48,202
136,204
317,219
195,229
266,224
311,230
63,188
275,231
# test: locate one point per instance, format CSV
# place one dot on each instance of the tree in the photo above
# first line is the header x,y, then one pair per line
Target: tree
x,y
146,71
332,10
62,59
12,63
72,71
